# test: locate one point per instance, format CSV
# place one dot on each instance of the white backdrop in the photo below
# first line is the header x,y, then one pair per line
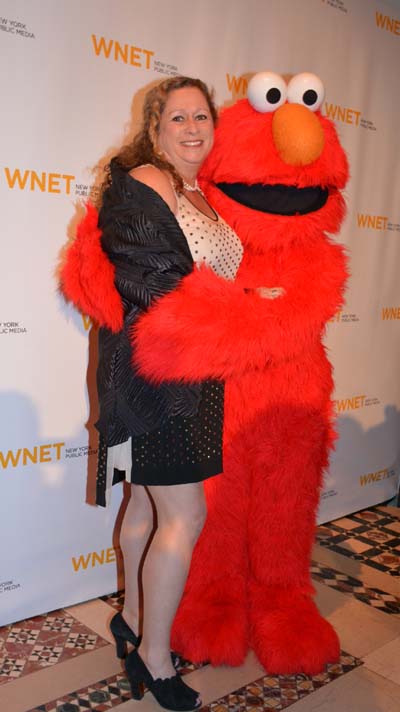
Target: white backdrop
x,y
70,71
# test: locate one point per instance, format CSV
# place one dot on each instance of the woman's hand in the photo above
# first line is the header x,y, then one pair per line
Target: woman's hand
x,y
268,292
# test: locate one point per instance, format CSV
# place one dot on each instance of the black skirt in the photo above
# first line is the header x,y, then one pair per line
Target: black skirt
x,y
181,451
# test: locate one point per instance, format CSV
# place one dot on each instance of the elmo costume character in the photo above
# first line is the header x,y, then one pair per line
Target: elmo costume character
x,y
275,175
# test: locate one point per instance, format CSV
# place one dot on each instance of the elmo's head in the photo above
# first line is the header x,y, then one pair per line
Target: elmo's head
x,y
277,168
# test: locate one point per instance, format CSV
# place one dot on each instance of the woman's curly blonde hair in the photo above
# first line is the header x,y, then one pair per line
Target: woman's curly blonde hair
x,y
143,148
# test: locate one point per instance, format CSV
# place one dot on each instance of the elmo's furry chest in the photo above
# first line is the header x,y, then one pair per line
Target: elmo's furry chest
x,y
291,267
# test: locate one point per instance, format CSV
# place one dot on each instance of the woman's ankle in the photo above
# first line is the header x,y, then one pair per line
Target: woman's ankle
x,y
131,620
158,661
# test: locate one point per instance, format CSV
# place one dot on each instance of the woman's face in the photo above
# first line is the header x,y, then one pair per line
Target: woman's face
x,y
186,131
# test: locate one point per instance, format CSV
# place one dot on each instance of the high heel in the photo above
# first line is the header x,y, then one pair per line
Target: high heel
x,y
171,692
123,634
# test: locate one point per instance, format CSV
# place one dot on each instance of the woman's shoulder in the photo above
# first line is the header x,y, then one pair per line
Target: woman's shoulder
x,y
158,180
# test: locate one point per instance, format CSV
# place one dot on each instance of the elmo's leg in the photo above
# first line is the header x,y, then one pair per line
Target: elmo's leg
x,y
287,632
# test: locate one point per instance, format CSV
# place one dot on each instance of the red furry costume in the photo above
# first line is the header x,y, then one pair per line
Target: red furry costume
x,y
249,583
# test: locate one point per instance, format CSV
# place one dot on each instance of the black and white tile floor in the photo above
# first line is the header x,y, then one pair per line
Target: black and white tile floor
x,y
65,662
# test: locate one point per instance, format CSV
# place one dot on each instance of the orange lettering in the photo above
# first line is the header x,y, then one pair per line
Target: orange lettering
x,y
110,555
44,455
28,454
16,178
135,56
237,85
68,180
101,46
331,110
148,55
41,182
10,457
97,558
122,52
54,183
80,562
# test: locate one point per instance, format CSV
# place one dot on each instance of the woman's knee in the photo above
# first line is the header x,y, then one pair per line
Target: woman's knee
x,y
182,509
139,514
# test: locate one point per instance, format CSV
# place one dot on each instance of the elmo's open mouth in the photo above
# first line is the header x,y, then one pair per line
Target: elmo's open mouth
x,y
277,199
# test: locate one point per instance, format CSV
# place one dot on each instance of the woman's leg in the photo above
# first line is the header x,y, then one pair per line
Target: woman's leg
x,y
181,513
136,529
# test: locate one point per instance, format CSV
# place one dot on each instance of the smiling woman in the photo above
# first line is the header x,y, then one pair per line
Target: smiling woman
x,y
156,227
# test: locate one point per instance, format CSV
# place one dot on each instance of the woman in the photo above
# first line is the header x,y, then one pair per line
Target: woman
x,y
156,226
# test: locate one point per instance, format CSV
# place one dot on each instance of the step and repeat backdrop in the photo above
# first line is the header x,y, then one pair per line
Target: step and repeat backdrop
x,y
73,78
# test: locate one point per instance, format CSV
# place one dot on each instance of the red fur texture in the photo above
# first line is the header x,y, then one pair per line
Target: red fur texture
x,y
87,276
249,583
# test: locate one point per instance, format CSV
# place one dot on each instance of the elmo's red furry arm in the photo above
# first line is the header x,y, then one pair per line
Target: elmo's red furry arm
x,y
209,327
87,275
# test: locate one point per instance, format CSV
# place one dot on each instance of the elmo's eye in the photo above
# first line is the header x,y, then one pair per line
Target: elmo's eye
x,y
306,89
266,91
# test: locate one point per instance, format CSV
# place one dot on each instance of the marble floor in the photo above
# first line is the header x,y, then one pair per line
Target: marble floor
x,y
65,661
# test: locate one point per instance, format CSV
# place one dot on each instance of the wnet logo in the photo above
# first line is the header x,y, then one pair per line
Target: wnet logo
x,y
390,313
125,53
348,115
95,558
371,477
44,182
372,222
390,24
376,222
28,456
346,404
342,113
237,85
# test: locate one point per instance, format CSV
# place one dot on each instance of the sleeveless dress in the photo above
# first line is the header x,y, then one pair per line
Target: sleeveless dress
x,y
184,450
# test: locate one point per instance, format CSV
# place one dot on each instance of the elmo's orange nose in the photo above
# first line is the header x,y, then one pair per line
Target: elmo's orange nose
x,y
297,134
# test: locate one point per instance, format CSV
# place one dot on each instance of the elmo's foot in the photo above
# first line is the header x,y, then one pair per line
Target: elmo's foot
x,y
290,636
212,627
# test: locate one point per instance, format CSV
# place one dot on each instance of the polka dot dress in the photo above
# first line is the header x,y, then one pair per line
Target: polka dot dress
x,y
185,449
211,241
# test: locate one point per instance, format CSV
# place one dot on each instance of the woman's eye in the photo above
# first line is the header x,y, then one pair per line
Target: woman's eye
x,y
201,117
177,118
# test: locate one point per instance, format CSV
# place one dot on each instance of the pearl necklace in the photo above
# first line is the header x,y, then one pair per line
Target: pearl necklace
x,y
191,188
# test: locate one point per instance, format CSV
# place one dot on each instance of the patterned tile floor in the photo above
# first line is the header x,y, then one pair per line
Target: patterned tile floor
x,y
385,602
277,693
371,536
268,692
100,696
43,641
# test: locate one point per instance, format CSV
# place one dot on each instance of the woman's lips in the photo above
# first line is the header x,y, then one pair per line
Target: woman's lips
x,y
192,144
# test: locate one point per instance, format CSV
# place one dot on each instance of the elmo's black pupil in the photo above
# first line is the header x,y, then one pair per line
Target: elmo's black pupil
x,y
273,95
310,97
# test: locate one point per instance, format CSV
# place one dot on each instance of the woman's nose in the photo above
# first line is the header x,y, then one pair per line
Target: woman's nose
x,y
191,125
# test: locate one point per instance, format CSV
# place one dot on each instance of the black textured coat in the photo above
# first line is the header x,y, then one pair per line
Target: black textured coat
x,y
149,251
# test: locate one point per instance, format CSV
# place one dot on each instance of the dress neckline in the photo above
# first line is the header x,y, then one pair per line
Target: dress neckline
x,y
214,220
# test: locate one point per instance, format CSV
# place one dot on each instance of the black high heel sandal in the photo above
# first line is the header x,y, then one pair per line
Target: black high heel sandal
x,y
171,692
123,634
